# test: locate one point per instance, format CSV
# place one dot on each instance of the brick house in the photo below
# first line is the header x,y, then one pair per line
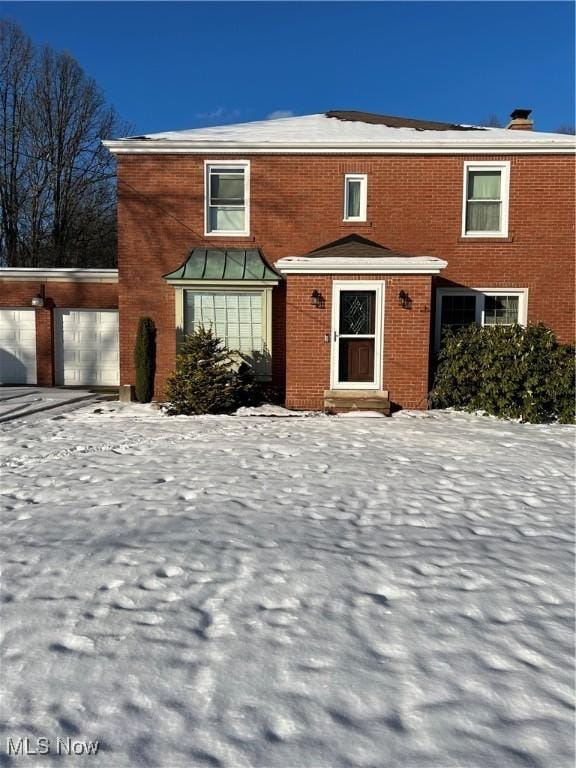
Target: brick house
x,y
331,249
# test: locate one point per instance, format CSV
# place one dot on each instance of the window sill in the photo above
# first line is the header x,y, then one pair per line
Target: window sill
x,y
486,239
230,235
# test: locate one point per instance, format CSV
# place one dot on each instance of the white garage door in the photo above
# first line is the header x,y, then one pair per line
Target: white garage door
x,y
86,347
17,346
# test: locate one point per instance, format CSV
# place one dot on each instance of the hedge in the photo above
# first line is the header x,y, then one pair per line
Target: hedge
x,y
518,372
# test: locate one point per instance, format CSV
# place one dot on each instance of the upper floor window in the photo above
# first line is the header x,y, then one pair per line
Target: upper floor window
x,y
355,196
485,205
227,197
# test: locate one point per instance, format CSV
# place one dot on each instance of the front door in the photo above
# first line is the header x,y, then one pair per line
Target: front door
x,y
357,326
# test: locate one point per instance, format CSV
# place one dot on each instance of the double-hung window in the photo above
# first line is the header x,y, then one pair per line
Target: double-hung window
x,y
355,196
458,307
485,204
227,198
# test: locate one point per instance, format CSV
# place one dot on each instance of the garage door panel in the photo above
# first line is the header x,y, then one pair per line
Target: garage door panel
x,y
90,357
17,346
87,347
88,339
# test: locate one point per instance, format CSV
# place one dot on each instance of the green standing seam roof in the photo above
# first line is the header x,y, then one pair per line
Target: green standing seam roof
x,y
213,264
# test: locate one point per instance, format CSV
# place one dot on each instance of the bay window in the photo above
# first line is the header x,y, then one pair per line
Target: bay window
x,y
241,319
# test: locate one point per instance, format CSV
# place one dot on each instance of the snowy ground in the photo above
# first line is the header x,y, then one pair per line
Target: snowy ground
x,y
287,593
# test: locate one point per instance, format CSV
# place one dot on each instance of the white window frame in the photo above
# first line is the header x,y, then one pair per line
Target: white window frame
x,y
480,294
484,165
358,285
363,179
245,166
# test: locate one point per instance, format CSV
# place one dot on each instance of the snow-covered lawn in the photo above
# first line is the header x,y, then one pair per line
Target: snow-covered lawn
x,y
288,593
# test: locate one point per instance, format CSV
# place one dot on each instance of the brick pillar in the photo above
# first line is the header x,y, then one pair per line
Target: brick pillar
x,y
44,347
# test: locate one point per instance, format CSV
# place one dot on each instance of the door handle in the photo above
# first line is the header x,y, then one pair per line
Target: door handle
x,y
335,335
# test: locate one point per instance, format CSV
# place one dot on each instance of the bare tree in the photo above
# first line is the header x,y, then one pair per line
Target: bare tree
x,y
16,74
57,189
568,129
492,121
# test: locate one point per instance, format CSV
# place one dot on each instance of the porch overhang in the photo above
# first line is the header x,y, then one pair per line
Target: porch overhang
x,y
355,255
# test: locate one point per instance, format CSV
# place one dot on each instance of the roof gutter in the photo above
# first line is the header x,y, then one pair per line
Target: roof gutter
x,y
164,146
59,274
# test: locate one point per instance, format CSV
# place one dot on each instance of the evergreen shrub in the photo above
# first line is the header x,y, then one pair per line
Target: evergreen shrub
x,y
508,371
145,359
208,378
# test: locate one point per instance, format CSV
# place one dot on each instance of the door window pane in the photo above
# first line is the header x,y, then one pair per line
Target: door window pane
x,y
357,312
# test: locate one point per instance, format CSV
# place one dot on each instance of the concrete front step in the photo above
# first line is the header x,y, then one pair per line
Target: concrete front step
x,y
342,400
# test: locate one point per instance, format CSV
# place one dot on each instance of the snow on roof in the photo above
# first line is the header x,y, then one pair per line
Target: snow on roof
x,y
321,129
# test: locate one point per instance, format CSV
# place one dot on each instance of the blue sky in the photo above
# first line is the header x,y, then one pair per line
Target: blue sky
x,y
168,66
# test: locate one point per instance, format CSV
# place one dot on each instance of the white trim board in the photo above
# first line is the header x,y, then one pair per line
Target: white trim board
x,y
157,146
58,274
385,265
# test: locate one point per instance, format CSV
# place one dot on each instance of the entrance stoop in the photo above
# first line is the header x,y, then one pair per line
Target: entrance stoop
x,y
344,400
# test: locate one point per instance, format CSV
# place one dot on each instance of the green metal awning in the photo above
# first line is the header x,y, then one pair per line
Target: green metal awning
x,y
215,264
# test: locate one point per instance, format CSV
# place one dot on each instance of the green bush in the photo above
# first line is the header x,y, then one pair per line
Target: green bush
x,y
208,378
145,359
508,371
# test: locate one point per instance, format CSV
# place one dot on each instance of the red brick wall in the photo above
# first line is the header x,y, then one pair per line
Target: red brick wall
x,y
414,206
405,348
58,295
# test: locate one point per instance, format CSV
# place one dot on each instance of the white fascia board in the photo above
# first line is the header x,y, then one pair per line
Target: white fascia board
x,y
384,266
158,146
68,274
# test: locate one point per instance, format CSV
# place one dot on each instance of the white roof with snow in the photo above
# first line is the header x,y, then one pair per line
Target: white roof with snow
x,y
320,134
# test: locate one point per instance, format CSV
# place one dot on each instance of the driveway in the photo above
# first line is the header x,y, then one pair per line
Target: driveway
x,y
18,402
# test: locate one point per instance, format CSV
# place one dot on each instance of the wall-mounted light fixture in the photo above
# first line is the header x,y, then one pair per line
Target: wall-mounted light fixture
x,y
405,300
38,300
316,299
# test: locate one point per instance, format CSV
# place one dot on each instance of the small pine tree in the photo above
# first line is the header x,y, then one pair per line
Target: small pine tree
x,y
145,359
206,379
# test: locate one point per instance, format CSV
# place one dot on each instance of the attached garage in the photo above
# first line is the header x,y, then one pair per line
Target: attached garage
x,y
17,346
86,347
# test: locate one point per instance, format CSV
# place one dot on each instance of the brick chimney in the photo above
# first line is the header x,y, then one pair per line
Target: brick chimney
x,y
521,120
